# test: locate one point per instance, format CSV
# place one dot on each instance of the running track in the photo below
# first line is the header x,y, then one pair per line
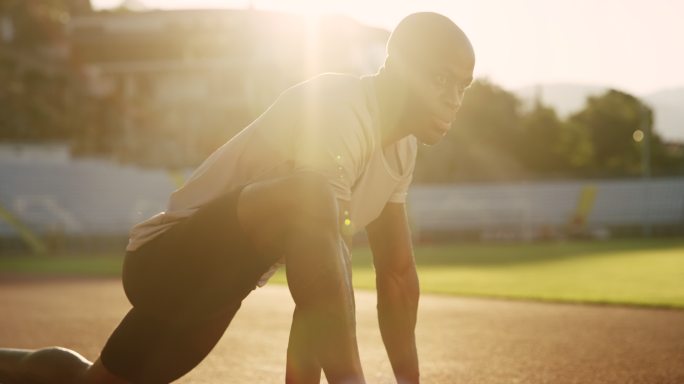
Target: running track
x,y
460,340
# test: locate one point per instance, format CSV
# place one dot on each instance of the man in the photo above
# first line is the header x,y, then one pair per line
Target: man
x,y
331,156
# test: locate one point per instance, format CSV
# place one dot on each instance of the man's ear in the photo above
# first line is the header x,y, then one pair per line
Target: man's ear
x,y
399,71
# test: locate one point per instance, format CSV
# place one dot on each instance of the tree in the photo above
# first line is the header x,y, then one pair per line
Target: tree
x,y
484,143
544,140
610,120
38,102
38,23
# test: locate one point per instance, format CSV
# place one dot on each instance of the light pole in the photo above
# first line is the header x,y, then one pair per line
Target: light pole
x,y
643,136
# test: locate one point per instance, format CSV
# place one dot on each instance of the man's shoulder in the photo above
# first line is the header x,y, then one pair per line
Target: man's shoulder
x,y
329,96
333,110
334,81
330,88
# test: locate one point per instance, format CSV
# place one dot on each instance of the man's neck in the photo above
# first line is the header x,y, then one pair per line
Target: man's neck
x,y
391,102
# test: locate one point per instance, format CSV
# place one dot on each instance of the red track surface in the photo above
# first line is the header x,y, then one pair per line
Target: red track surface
x,y
460,340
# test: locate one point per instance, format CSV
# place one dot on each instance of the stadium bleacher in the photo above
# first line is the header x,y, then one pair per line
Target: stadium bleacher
x,y
50,192
528,209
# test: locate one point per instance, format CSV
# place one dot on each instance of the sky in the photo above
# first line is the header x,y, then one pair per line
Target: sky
x,y
633,45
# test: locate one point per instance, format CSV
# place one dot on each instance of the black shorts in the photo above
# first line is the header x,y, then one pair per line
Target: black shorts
x,y
185,286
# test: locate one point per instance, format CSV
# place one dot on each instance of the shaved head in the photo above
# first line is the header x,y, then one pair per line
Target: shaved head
x,y
429,67
427,37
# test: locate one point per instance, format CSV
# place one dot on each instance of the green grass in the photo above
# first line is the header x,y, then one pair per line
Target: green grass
x,y
634,272
96,265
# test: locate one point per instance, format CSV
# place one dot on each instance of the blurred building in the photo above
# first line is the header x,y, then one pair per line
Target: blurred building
x,y
198,76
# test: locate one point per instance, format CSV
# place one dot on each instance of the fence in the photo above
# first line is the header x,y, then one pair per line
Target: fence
x,y
44,193
539,209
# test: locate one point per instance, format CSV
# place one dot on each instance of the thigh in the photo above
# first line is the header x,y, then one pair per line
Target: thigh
x,y
185,287
201,260
147,348
272,211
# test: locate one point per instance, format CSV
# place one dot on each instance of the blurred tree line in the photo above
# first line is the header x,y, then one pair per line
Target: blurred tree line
x,y
495,138
36,81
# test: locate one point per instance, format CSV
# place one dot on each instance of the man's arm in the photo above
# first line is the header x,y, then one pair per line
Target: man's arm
x,y
302,363
398,290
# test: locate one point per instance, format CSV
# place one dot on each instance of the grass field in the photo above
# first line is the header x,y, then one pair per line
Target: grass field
x,y
635,272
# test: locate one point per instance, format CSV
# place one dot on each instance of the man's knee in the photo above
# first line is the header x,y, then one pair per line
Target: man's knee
x,y
305,195
55,364
313,236
276,212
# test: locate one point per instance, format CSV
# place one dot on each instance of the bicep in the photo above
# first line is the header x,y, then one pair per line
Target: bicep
x,y
332,146
390,240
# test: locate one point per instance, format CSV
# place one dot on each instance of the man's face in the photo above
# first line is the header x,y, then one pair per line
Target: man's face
x,y
436,94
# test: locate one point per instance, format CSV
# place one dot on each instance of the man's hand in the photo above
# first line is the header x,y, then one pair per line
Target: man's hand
x,y
398,289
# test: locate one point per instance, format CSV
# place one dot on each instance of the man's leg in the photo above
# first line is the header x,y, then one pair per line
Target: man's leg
x,y
97,373
297,216
185,287
185,291
50,365
10,363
